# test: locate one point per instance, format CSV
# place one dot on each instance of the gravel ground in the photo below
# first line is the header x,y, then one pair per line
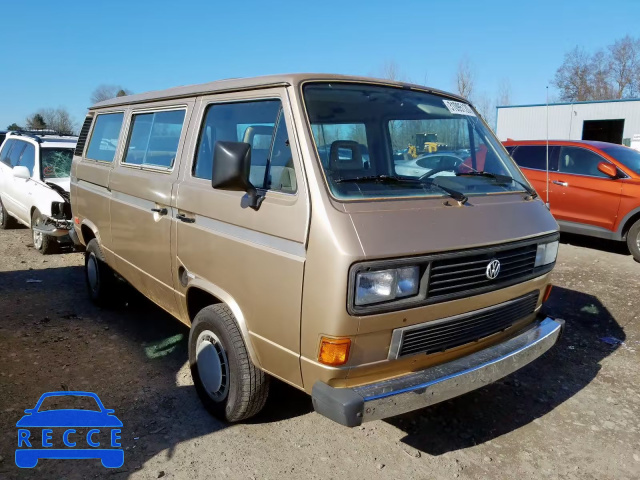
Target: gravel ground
x,y
573,414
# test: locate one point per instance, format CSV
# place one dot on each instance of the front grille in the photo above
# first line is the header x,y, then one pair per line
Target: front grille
x,y
450,276
448,333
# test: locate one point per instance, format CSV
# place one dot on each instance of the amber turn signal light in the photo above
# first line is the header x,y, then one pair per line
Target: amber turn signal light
x,y
547,293
334,351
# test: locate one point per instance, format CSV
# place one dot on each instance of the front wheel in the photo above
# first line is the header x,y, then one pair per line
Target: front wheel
x,y
45,244
633,240
228,384
6,220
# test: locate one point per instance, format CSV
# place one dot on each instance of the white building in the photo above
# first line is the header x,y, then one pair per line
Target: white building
x,y
615,121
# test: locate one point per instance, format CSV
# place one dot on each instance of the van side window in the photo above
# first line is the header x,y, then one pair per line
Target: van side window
x,y
258,124
28,158
580,161
104,139
154,138
6,150
535,156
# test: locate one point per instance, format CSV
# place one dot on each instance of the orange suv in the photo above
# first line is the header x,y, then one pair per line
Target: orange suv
x,y
594,187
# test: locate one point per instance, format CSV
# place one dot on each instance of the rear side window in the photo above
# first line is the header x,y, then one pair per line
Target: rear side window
x,y
6,150
104,139
154,138
580,161
28,158
16,152
535,156
258,123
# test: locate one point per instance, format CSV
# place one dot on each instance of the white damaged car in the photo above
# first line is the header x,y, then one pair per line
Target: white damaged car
x,y
34,186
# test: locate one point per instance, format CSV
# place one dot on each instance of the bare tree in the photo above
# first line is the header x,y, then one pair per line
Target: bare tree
x,y
600,71
504,93
485,107
105,92
573,77
57,119
624,66
390,70
465,78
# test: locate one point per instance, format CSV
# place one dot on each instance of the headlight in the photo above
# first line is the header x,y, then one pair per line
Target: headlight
x,y
385,285
546,253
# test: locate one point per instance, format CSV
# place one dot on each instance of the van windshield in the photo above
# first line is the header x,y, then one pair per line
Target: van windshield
x,y
381,142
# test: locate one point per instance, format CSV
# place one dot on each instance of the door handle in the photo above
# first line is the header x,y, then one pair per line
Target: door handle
x,y
183,218
562,184
160,211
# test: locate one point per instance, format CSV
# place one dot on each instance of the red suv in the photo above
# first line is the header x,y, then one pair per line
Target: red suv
x,y
594,187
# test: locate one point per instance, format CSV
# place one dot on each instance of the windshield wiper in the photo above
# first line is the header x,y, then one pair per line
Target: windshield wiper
x,y
458,196
501,179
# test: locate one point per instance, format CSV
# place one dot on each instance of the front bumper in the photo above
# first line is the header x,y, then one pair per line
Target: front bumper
x,y
352,406
54,227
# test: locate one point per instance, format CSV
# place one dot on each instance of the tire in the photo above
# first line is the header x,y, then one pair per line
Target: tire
x,y
228,384
633,240
98,275
6,221
45,244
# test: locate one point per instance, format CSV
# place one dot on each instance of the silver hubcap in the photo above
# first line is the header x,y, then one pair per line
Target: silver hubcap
x,y
1,214
638,240
37,236
92,273
213,367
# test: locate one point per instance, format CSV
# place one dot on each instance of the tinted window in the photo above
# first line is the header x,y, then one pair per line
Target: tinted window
x,y
28,158
580,161
535,156
629,157
253,123
56,162
104,139
6,149
154,138
16,151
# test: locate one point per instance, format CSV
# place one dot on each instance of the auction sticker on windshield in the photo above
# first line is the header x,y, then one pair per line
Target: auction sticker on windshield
x,y
69,425
459,108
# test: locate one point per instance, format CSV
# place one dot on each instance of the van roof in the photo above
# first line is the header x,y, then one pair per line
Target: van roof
x,y
234,84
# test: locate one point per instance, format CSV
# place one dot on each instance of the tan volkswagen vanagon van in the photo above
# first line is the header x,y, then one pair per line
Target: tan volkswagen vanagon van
x,y
305,231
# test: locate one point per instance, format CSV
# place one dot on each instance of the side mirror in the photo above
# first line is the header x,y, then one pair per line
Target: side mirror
x,y
29,411
608,169
21,172
231,166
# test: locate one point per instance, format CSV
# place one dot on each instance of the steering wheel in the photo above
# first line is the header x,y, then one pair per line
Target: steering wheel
x,y
456,162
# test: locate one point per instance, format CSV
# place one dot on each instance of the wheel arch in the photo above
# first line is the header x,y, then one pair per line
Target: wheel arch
x,y
201,293
628,221
89,231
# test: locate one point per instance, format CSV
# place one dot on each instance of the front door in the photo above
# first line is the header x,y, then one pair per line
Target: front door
x,y
580,193
255,257
142,188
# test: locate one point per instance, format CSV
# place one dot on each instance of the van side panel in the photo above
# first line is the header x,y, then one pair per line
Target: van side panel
x,y
141,237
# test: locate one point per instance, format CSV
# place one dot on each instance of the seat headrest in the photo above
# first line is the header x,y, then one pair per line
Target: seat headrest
x,y
352,163
254,130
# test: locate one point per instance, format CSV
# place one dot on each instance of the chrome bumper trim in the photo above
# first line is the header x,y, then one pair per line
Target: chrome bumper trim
x,y
352,406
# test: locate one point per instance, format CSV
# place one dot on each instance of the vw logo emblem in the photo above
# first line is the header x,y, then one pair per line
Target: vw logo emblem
x,y
493,269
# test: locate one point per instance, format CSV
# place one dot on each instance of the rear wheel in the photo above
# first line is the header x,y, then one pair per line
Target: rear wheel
x,y
43,243
99,276
229,385
6,220
633,240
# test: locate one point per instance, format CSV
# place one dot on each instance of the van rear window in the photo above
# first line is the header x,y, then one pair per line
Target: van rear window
x,y
104,139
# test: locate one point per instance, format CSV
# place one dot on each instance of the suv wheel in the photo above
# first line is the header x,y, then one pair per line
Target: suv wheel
x,y
6,220
43,243
229,385
99,276
633,240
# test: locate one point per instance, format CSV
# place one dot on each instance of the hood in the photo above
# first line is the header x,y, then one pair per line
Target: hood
x,y
418,227
64,182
